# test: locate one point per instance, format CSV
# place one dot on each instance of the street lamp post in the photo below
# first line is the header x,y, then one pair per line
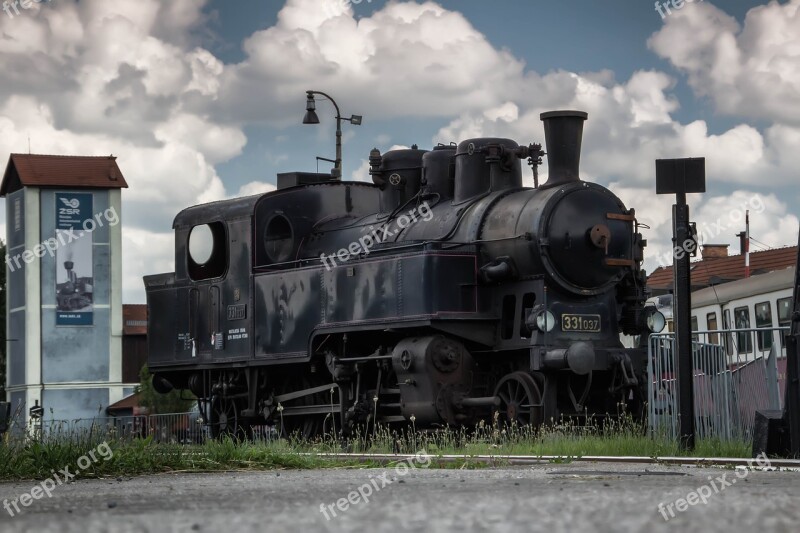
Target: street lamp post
x,y
312,118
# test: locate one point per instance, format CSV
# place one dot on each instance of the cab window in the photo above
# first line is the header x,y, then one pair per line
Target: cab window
x,y
207,251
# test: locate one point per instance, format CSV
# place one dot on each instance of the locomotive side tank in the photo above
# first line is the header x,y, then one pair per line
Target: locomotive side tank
x,y
445,292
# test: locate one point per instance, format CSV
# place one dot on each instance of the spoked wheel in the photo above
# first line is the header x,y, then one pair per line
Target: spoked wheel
x,y
520,400
225,420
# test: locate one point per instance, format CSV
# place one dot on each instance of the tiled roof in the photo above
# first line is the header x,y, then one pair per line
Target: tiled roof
x,y
129,402
721,269
134,319
36,170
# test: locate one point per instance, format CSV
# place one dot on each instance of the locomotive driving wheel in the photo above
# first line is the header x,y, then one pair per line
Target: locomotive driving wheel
x,y
520,400
225,419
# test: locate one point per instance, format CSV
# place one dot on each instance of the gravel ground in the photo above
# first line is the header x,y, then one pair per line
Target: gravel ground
x,y
572,497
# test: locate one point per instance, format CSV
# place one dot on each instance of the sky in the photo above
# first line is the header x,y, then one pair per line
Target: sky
x,y
203,100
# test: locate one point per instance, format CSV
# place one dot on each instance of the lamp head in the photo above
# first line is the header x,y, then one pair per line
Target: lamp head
x,y
311,114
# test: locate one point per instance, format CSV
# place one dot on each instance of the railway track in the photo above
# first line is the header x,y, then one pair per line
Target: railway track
x,y
504,460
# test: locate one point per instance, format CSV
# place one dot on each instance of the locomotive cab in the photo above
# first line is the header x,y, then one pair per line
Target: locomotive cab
x,y
202,313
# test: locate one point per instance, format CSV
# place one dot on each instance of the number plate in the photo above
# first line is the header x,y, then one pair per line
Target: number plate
x,y
237,312
586,323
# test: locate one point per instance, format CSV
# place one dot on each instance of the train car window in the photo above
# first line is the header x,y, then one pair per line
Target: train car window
x,y
711,323
695,337
207,251
741,317
764,320
784,312
785,316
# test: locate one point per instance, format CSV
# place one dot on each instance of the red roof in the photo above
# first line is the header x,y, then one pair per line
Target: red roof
x,y
718,270
34,170
128,403
134,319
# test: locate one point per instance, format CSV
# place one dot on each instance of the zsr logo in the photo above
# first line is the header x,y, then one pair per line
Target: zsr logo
x,y
72,207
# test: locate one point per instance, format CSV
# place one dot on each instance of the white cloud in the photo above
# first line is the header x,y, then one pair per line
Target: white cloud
x,y
630,125
127,77
216,142
145,252
448,68
96,78
362,172
425,59
508,112
255,187
206,72
751,71
718,219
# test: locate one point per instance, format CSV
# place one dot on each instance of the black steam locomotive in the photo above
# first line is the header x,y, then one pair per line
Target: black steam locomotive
x,y
443,293
75,293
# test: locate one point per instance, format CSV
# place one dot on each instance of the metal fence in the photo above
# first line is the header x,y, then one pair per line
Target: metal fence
x,y
736,372
175,428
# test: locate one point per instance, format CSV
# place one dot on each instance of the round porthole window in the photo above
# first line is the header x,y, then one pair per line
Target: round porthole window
x,y
201,244
279,239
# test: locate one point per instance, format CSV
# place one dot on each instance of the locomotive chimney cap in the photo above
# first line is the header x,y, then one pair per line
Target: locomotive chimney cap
x,y
563,132
567,113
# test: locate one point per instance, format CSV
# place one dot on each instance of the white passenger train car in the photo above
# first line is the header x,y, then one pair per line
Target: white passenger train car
x,y
763,301
747,296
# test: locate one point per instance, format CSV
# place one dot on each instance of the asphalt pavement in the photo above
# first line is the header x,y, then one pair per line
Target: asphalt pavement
x,y
573,497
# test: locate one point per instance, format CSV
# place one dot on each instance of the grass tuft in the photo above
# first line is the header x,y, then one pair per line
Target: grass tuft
x,y
24,458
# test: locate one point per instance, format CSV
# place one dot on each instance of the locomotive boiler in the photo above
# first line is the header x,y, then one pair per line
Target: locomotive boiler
x,y
444,293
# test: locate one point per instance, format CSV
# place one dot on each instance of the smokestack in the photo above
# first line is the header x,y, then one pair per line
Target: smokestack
x,y
563,131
